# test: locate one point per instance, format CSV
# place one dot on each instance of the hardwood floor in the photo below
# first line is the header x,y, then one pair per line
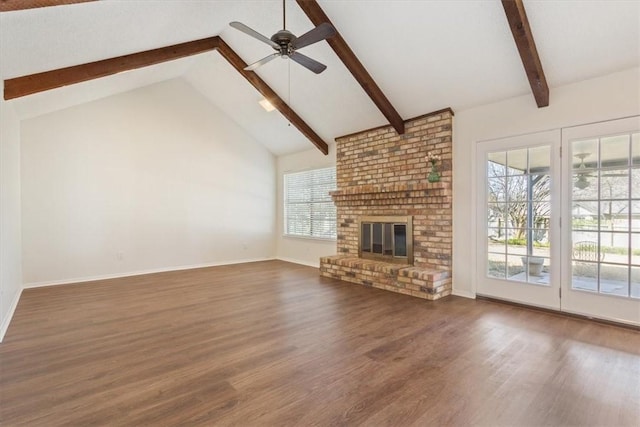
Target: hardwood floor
x,y
272,343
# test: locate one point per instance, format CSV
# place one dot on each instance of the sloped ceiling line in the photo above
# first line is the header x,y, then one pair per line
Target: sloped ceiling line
x,y
40,82
519,24
34,83
317,16
234,59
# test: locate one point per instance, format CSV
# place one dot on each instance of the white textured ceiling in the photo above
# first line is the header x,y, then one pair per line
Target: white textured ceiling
x,y
425,55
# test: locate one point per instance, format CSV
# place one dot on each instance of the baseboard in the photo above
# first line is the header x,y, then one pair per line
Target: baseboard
x,y
563,313
297,261
140,273
465,294
7,318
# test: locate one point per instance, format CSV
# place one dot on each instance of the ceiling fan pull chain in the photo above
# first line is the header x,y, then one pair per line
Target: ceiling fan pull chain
x,y
289,80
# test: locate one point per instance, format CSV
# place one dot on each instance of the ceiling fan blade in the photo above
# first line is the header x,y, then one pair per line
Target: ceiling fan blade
x,y
321,32
253,33
263,61
307,62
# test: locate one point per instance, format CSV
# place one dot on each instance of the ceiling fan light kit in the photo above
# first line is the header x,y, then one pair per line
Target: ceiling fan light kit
x,y
268,106
286,44
582,182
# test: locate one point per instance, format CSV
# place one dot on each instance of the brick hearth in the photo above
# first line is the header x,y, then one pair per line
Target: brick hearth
x,y
382,173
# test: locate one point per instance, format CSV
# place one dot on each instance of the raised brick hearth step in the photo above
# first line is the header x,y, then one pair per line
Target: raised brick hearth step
x,y
424,283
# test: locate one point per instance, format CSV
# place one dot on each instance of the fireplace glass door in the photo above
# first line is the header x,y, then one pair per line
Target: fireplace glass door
x,y
386,239
400,236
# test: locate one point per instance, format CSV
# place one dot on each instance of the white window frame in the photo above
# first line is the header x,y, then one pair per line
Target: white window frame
x,y
304,189
520,292
592,304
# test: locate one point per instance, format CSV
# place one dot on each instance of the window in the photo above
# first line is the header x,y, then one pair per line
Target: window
x,y
518,233
561,209
605,211
518,189
308,208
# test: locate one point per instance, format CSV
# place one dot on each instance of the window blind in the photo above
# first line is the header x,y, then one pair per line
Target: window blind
x,y
308,208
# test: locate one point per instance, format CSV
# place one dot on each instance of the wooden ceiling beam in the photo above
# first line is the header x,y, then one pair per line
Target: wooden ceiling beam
x,y
519,24
317,16
34,83
234,59
40,82
11,5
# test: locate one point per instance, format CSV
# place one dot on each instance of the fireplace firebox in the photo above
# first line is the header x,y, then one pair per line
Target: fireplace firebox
x,y
386,238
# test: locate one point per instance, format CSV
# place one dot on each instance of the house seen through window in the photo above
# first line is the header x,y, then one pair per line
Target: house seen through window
x,y
308,208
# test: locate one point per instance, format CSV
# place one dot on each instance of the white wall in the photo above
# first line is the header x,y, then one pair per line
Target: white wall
x,y
301,250
10,241
614,96
148,180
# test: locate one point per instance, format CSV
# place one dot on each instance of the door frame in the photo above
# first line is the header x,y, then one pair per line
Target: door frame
x,y
520,292
608,307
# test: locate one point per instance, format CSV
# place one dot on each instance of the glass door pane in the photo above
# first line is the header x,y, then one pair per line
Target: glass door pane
x,y
600,248
601,216
377,238
518,212
517,188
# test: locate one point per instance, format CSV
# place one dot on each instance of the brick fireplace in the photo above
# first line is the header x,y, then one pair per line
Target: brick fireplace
x,y
381,173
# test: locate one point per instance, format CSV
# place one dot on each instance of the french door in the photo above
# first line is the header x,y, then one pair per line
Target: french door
x,y
559,219
518,222
601,240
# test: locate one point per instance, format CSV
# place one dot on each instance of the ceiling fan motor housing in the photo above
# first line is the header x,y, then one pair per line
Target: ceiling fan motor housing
x,y
284,39
286,45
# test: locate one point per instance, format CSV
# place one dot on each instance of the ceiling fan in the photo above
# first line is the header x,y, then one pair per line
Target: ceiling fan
x,y
582,182
582,173
286,43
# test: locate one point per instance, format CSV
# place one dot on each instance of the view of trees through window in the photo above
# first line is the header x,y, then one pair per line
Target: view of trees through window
x,y
519,209
605,215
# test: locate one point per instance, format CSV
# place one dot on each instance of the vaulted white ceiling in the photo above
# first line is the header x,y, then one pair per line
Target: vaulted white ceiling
x,y
425,55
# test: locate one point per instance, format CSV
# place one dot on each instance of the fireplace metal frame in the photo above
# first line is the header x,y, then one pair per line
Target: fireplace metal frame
x,y
397,219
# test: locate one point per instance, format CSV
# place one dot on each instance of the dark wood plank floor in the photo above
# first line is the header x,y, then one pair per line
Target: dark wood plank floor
x,y
271,343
